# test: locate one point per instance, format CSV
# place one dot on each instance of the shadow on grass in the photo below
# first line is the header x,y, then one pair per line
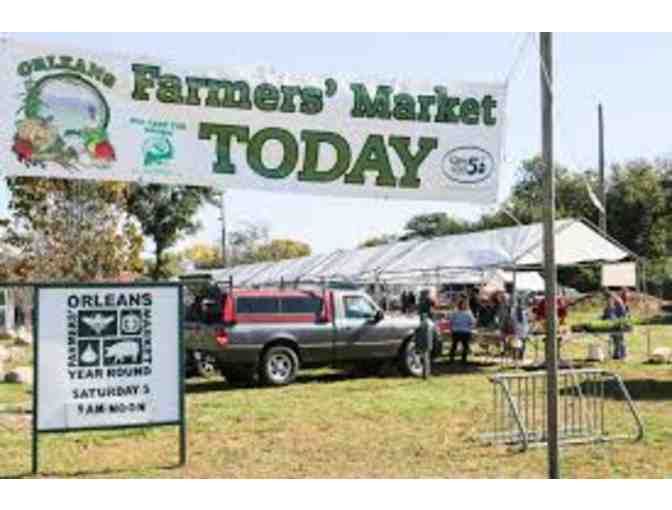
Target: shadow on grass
x,y
639,389
642,389
439,369
85,473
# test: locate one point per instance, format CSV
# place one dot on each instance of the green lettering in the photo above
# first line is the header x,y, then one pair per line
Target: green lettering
x,y
266,97
108,80
290,154
194,86
488,104
446,111
64,62
24,69
39,65
236,95
80,66
96,72
223,135
311,101
470,111
366,107
212,99
425,103
412,162
288,95
404,107
372,158
144,77
170,89
313,139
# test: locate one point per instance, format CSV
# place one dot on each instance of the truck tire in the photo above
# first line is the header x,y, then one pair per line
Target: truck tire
x,y
206,365
410,360
279,366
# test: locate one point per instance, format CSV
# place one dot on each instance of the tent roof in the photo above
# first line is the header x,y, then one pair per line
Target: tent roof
x,y
446,258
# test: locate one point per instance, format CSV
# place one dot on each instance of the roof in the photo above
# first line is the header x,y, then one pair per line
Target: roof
x,y
440,258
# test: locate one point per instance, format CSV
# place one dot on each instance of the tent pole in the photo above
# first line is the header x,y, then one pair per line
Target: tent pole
x,y
546,54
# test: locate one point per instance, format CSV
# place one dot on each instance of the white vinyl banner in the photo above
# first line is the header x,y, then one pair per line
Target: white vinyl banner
x,y
71,113
107,357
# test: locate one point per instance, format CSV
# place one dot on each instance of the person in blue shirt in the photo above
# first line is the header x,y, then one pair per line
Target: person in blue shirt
x,y
462,323
616,310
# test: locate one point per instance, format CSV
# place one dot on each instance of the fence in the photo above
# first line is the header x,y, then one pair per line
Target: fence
x,y
519,408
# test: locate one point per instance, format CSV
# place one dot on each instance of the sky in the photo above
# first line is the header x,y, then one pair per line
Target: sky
x,y
628,73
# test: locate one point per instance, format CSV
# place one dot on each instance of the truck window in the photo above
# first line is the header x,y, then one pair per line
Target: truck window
x,y
358,307
257,305
301,305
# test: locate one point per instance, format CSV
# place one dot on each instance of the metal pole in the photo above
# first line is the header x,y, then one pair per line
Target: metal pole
x,y
222,217
603,186
546,51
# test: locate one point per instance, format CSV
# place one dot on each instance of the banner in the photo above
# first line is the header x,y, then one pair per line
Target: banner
x,y
107,356
80,115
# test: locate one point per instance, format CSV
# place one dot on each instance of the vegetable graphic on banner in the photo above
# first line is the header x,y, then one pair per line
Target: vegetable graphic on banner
x,y
64,120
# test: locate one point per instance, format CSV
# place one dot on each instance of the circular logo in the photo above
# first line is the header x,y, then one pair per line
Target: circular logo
x,y
468,165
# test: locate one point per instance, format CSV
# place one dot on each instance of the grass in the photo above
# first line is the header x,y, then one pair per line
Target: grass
x,y
328,425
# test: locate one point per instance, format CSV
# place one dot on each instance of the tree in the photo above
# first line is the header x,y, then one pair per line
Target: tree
x,y
281,249
166,214
526,202
378,241
202,255
638,210
244,242
425,226
71,230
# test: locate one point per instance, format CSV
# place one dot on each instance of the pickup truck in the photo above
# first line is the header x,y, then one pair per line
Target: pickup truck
x,y
268,335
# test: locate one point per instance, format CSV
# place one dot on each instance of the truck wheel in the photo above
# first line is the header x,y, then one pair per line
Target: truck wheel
x,y
410,360
205,365
279,366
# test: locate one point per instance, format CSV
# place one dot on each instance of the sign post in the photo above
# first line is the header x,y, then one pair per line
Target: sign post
x,y
108,356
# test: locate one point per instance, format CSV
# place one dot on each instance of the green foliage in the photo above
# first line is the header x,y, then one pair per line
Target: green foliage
x,y
638,210
605,326
378,241
280,249
166,214
425,226
70,230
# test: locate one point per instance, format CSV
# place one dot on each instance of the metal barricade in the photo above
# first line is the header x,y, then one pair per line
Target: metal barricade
x,y
519,408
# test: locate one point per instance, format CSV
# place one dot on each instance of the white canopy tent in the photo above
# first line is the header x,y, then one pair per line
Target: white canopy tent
x,y
464,258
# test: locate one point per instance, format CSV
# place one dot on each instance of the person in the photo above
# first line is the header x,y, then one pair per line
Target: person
x,y
411,301
404,302
625,298
462,323
521,326
615,310
474,303
426,304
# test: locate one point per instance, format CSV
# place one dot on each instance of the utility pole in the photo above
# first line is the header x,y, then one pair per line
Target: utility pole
x,y
603,185
222,218
546,54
